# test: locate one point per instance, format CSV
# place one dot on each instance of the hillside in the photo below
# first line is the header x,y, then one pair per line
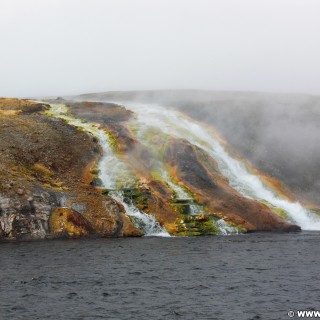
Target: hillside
x,y
45,188
278,133
79,169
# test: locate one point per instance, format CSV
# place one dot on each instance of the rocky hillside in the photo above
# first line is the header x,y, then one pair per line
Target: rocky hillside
x,y
50,185
45,185
278,133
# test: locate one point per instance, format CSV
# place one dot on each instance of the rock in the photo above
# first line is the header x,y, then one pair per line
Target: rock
x,y
20,220
66,222
79,207
20,191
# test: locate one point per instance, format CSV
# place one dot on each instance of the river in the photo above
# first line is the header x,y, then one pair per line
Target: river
x,y
253,276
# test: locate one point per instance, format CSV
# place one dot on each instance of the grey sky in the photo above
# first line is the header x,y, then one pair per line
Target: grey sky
x,y
57,47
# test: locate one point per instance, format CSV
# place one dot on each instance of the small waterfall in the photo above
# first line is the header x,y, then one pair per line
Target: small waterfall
x,y
225,228
181,195
179,191
113,173
194,209
120,175
144,222
176,124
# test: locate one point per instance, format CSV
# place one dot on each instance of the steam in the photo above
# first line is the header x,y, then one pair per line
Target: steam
x,y
278,133
173,123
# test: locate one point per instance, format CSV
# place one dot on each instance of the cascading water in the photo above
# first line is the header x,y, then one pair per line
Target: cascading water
x,y
182,197
176,124
181,194
119,177
225,228
145,222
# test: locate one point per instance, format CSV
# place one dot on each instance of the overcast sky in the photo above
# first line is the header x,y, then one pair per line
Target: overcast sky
x,y
59,47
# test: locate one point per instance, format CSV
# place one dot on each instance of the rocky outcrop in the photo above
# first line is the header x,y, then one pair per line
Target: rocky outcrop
x,y
45,166
98,112
25,216
152,196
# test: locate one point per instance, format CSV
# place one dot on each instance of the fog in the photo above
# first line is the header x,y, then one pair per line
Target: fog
x,y
57,47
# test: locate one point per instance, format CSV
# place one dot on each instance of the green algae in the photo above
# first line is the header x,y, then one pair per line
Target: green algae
x,y
112,142
95,171
315,211
139,198
195,226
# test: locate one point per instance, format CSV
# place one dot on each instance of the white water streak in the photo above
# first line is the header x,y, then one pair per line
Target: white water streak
x,y
225,228
179,192
145,222
112,172
174,123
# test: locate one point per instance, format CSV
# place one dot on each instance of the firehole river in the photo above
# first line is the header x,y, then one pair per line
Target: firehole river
x,y
253,276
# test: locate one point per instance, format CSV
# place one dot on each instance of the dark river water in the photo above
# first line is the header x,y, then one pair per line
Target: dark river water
x,y
256,276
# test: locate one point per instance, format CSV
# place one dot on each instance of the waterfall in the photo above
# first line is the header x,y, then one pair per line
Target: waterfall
x,y
225,228
194,209
113,173
180,193
145,222
176,124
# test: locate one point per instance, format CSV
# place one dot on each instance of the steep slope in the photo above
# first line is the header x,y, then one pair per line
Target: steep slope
x,y
79,169
153,154
277,133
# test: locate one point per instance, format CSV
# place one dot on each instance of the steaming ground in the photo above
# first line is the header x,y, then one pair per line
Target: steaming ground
x,y
279,134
